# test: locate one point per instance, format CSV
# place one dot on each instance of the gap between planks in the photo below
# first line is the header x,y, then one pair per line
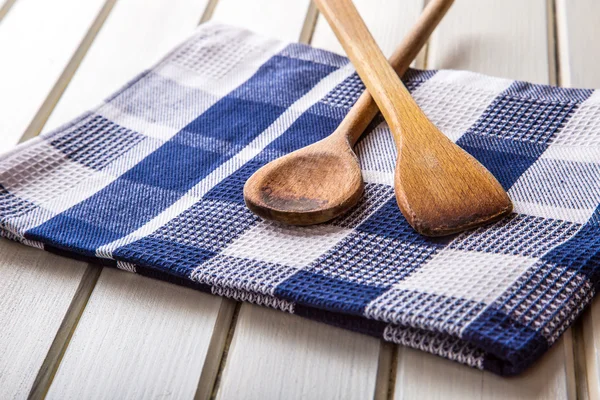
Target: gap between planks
x,y
209,11
385,380
308,28
5,8
209,387
65,332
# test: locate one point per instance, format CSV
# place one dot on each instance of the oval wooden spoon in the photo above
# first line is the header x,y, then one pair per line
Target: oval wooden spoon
x,y
321,181
439,187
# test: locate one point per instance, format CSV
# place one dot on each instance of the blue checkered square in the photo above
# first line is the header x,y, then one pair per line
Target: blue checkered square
x,y
99,142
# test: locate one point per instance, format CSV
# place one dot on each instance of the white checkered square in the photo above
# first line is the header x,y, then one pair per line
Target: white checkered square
x,y
583,128
41,174
256,51
480,277
294,246
156,100
579,139
558,189
454,100
377,156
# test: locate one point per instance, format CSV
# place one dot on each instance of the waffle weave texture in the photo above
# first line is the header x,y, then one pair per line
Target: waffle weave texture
x,y
151,182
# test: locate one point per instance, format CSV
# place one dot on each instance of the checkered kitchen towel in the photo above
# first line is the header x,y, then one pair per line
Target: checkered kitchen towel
x,y
151,182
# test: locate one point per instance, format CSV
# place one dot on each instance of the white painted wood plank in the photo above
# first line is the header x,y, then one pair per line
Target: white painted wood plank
x,y
429,377
157,351
579,49
424,376
479,36
5,7
591,330
123,49
550,378
279,19
388,21
37,40
281,356
509,39
577,25
36,289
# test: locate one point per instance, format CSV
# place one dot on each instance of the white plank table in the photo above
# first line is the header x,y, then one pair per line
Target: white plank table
x,y
157,351
77,331
37,288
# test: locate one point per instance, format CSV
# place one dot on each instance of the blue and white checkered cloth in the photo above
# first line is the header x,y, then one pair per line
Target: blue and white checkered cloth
x,y
151,182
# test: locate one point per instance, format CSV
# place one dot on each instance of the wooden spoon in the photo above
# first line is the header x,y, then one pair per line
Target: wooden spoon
x,y
439,187
323,180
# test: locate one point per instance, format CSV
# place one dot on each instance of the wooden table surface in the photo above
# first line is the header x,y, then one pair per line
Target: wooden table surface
x,y
77,331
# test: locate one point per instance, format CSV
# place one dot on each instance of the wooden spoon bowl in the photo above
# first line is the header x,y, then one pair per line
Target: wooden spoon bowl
x,y
309,186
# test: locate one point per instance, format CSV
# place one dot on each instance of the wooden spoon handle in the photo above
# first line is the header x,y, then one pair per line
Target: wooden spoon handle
x,y
365,109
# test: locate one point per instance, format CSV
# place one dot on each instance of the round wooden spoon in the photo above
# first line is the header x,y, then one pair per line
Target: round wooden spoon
x,y
439,187
323,180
